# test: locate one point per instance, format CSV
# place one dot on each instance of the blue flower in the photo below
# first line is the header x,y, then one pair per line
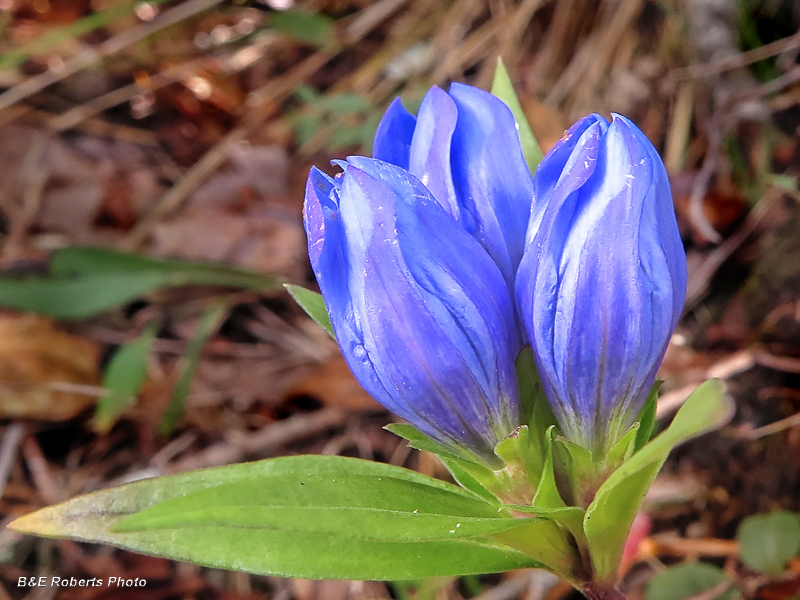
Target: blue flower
x,y
602,283
423,315
464,147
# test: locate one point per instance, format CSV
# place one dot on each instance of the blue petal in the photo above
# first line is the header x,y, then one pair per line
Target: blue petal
x,y
602,283
552,168
491,177
430,148
425,338
393,137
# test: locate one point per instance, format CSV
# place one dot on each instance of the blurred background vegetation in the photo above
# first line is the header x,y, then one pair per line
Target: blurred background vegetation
x,y
153,157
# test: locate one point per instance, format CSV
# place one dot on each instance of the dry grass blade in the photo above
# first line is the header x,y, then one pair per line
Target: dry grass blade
x,y
185,186
12,438
264,441
108,48
736,61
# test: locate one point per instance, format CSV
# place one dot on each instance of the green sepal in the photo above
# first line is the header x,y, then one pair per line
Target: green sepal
x,y
534,409
548,501
314,305
319,517
547,494
503,89
463,476
419,441
575,465
647,417
521,454
623,448
472,475
610,515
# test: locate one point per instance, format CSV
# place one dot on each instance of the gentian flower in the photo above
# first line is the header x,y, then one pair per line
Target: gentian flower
x,y
422,313
602,282
465,149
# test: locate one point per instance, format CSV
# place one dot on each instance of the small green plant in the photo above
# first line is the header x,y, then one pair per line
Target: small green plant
x,y
768,542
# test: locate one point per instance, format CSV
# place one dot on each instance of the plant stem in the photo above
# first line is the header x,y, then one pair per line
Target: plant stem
x,y
598,590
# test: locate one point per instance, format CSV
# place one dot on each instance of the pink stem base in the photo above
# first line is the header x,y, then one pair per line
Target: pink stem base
x,y
595,590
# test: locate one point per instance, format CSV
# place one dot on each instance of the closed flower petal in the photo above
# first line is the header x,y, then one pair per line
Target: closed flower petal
x,y
602,283
465,149
393,138
421,312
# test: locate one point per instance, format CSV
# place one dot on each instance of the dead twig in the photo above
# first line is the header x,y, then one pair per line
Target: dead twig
x,y
700,278
12,437
40,472
170,202
775,427
701,184
735,61
683,547
262,442
33,176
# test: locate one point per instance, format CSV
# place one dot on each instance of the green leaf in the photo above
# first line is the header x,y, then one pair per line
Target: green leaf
x,y
610,515
546,542
768,542
313,304
80,261
79,298
687,581
319,517
211,320
313,28
503,89
123,378
87,281
346,104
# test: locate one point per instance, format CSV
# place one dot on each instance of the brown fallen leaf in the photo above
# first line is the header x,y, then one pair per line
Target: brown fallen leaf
x,y
333,384
45,374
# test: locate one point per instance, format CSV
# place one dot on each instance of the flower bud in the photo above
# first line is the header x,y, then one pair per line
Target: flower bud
x,y
464,147
602,283
422,313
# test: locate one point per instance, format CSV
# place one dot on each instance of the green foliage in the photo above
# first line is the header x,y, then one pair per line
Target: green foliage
x,y
209,322
123,378
313,304
503,89
610,515
687,581
42,44
86,281
321,517
768,542
348,119
312,28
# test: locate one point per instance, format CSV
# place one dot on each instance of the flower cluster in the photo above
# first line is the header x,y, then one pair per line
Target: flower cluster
x,y
442,257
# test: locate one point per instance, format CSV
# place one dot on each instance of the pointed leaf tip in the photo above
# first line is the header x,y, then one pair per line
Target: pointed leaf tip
x,y
504,89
